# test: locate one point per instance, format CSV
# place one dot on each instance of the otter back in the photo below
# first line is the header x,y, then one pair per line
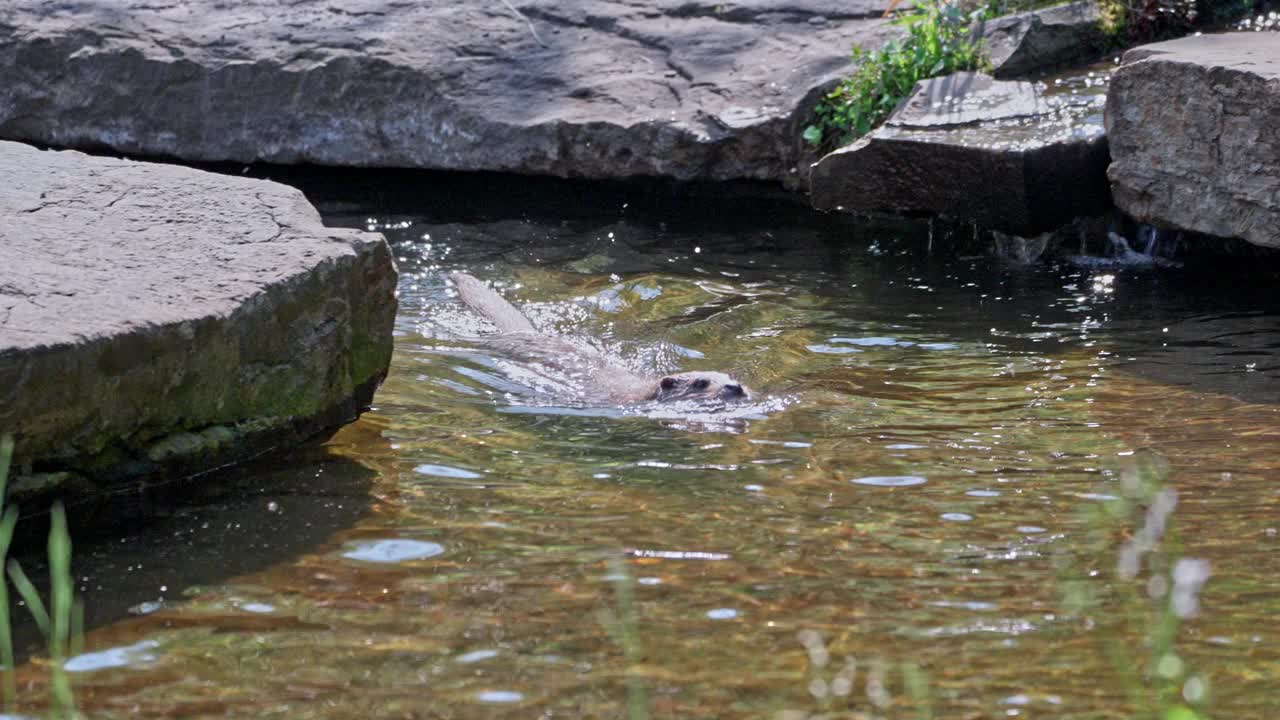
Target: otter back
x,y
491,305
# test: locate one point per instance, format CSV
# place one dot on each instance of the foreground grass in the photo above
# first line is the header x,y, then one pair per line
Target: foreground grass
x,y
60,622
1141,610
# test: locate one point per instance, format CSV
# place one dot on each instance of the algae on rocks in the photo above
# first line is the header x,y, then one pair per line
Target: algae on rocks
x,y
162,321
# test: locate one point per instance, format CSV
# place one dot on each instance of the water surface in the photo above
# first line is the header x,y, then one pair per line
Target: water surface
x,y
930,426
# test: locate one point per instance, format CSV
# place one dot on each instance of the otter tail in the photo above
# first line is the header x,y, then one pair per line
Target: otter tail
x,y
481,298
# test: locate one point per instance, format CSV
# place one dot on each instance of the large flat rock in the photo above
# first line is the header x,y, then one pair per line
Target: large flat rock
x,y
686,89
1008,155
1195,135
157,320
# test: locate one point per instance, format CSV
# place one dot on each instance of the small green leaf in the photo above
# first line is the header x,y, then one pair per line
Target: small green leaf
x,y
1181,712
812,135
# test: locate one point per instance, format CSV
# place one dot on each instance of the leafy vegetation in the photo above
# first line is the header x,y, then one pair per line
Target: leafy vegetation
x,y
60,622
938,42
1132,22
1156,589
1135,21
621,624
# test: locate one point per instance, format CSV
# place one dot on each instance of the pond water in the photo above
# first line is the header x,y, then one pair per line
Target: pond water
x,y
909,487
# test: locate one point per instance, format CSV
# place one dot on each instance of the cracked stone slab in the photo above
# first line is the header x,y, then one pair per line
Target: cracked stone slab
x,y
684,89
1195,135
157,320
1011,156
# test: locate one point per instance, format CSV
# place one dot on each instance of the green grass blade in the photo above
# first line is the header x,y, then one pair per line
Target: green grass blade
x,y
9,687
62,696
77,628
61,583
6,456
917,685
28,592
8,677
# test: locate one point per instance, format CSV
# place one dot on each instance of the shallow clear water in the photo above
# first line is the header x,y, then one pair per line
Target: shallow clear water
x,y
929,427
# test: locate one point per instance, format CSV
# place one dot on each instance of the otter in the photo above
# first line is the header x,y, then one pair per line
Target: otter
x,y
615,384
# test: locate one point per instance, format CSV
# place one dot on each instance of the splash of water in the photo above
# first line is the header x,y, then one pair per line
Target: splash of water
x,y
1155,246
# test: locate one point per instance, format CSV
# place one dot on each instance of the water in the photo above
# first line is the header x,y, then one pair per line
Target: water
x,y
931,426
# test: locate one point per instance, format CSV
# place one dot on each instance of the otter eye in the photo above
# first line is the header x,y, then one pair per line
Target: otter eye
x,y
668,383
701,384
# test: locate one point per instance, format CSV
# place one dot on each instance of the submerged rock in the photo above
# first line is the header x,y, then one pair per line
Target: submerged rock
x,y
1037,40
1008,155
1195,135
158,321
588,88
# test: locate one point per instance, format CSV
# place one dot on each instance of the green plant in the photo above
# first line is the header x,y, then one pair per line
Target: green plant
x,y
1130,22
620,622
833,686
938,42
1156,589
8,521
61,622
1136,21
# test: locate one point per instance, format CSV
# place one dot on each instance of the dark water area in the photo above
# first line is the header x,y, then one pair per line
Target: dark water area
x,y
910,485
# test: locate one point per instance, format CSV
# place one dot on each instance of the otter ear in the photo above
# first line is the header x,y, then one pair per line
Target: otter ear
x,y
668,382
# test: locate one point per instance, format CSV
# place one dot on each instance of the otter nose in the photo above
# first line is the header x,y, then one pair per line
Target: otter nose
x,y
734,391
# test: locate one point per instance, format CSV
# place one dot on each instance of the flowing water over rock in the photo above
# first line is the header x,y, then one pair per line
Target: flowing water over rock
x,y
931,428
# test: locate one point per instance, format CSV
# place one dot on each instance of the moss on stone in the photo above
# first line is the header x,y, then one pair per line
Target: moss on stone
x,y
65,482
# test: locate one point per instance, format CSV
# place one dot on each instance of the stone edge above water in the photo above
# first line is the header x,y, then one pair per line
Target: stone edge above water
x,y
284,355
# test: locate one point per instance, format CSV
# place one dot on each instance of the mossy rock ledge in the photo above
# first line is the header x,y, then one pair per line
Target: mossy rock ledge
x,y
157,322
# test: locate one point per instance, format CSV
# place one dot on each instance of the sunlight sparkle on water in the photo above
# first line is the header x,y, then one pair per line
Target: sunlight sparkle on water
x,y
393,551
476,656
446,471
499,696
113,657
890,480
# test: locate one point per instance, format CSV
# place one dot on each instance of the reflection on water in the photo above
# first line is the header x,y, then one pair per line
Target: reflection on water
x,y
938,424
205,533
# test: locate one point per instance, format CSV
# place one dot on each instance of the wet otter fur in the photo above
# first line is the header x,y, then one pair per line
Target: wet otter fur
x,y
614,383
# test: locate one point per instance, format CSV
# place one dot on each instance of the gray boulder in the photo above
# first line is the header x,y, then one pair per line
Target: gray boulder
x,y
1195,135
1008,155
158,321
685,89
1036,40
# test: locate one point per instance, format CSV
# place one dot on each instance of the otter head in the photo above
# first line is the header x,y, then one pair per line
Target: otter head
x,y
700,386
